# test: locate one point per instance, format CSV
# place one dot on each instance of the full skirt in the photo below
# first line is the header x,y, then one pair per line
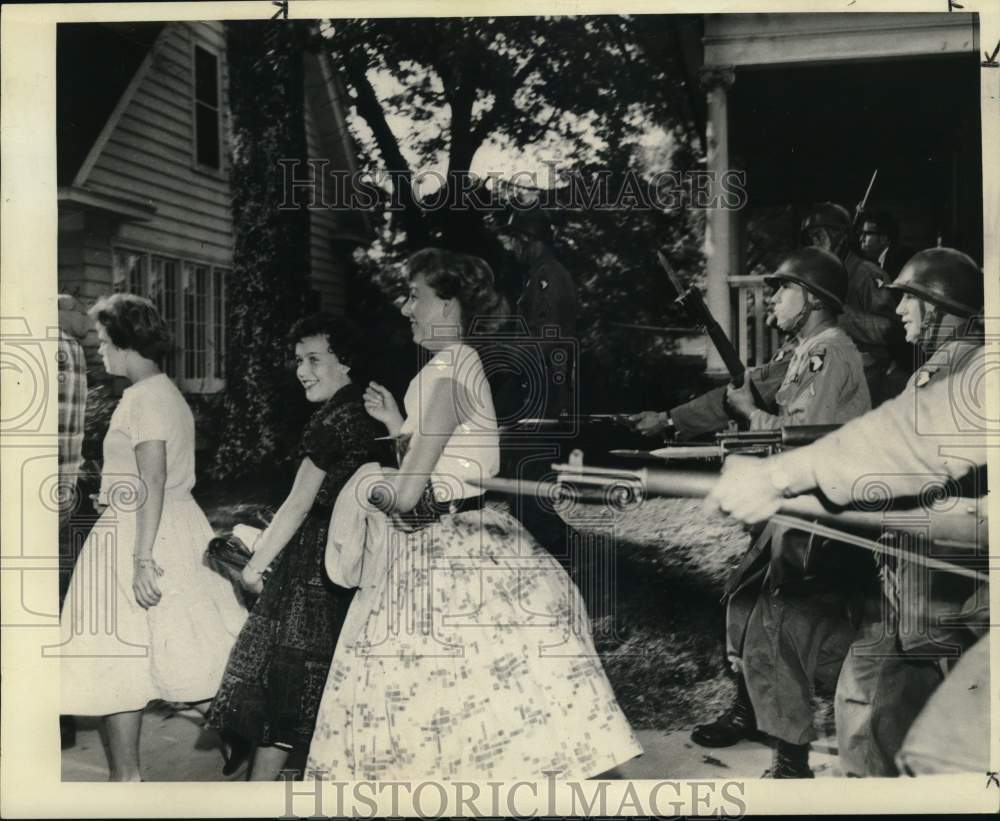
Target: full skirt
x,y
467,653
115,655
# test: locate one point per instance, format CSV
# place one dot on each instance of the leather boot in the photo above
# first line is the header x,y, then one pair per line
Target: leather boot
x,y
736,724
789,761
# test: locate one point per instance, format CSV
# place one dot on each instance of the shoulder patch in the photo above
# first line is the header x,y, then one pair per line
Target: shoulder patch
x,y
816,361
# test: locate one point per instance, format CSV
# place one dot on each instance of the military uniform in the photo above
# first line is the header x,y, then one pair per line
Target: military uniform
x,y
549,306
707,413
894,664
869,318
788,620
823,384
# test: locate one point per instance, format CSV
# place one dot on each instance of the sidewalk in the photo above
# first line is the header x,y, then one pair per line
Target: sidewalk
x,y
175,747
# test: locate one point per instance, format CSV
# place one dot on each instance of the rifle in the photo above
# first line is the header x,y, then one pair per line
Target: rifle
x,y
567,420
690,299
956,530
745,443
859,209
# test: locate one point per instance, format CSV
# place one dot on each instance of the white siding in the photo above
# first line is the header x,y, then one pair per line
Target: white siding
x,y
150,155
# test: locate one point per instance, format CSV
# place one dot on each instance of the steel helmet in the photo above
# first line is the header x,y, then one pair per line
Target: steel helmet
x,y
818,271
828,215
944,277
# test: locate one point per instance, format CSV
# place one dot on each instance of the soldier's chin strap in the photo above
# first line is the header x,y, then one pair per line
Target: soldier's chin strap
x,y
802,317
930,326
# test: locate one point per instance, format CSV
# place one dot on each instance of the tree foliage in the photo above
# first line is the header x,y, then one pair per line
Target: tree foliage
x,y
433,92
271,244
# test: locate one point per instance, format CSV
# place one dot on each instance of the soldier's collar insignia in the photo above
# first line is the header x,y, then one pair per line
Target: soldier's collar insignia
x,y
924,377
816,361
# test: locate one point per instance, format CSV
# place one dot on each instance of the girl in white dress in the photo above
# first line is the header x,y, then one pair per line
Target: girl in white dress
x,y
467,651
144,618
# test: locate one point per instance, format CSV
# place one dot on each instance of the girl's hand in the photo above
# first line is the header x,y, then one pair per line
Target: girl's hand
x,y
381,405
145,586
252,579
99,506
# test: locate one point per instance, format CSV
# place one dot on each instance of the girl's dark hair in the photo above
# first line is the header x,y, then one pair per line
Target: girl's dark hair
x,y
133,323
342,336
463,277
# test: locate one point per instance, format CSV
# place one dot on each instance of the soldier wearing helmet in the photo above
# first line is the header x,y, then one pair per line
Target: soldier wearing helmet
x,y
941,290
905,445
788,619
868,310
824,383
867,317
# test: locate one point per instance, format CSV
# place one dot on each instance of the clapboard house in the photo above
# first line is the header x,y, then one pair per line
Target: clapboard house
x,y
143,175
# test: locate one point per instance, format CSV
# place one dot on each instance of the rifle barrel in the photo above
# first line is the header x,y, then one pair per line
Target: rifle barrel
x,y
797,435
963,526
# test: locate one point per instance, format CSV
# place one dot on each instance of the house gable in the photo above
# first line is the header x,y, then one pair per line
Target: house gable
x,y
149,154
138,211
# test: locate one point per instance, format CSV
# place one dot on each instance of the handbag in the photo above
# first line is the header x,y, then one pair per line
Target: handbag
x,y
427,510
227,555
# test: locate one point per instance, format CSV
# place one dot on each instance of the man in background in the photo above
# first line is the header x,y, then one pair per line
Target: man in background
x,y
548,305
869,316
879,242
72,378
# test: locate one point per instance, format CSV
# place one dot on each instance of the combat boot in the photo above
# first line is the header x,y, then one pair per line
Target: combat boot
x,y
789,761
736,724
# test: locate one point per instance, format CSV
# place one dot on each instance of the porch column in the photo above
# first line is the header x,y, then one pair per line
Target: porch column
x,y
721,226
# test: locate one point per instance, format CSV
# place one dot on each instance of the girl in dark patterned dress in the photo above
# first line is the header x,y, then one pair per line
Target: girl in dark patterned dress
x,y
274,680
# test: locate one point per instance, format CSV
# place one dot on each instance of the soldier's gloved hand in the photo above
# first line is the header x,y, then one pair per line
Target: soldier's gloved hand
x,y
650,423
745,490
741,399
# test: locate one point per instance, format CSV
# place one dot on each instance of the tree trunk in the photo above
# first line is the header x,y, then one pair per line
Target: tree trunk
x,y
402,176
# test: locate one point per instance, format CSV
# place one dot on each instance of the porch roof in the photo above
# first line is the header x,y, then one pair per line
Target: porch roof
x,y
774,39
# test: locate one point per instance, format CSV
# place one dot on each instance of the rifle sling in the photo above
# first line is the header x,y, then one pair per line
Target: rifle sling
x,y
877,547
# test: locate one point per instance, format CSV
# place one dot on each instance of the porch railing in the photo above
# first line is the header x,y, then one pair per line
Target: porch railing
x,y
755,341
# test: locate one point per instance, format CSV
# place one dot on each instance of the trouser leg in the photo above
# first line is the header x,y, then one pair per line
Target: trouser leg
x,y
790,641
880,692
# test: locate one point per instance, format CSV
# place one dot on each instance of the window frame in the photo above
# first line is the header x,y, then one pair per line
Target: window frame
x,y
196,163
215,326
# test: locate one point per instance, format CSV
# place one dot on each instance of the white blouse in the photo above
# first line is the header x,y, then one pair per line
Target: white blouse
x,y
151,409
473,449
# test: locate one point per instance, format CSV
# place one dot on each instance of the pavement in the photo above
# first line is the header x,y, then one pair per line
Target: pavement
x,y
175,746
